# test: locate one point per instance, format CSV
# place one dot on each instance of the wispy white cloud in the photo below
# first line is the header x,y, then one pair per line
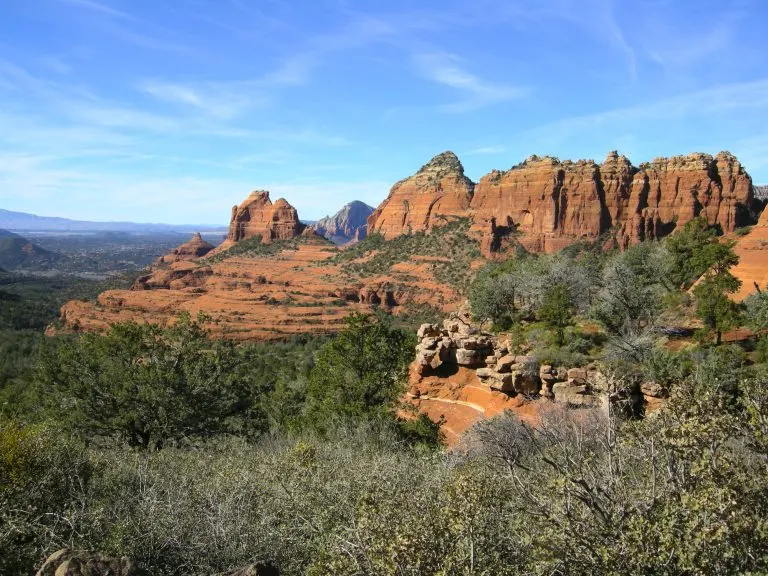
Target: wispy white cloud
x,y
717,99
224,100
485,150
445,69
597,18
119,24
683,46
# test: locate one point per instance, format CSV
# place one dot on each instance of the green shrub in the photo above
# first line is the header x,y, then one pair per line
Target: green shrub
x,y
43,475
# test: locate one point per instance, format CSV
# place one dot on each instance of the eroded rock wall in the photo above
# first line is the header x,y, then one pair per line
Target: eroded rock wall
x,y
546,204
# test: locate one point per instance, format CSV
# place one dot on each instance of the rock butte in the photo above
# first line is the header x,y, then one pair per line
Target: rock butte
x,y
258,216
552,204
192,249
438,190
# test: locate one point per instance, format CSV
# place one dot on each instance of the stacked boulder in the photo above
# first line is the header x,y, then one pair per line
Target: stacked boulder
x,y
458,344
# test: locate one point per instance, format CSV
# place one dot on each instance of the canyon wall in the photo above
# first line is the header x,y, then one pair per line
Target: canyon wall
x,y
546,204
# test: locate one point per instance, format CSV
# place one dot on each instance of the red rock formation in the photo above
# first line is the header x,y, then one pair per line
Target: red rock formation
x,y
669,192
258,216
752,250
417,203
192,249
551,204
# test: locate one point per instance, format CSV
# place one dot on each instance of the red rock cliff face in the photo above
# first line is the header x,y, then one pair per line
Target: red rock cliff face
x,y
417,203
552,204
549,204
258,216
669,192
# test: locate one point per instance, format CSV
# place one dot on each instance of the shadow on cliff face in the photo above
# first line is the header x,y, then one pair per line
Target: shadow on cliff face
x,y
445,370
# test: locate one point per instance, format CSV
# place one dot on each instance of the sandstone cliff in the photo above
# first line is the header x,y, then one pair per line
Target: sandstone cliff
x,y
420,202
550,204
192,249
546,204
258,216
348,224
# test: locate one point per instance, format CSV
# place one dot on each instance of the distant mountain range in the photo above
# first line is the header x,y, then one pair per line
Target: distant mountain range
x,y
349,223
10,220
761,192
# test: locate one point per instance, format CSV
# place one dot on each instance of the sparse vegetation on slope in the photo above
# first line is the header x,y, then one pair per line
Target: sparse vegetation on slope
x,y
449,247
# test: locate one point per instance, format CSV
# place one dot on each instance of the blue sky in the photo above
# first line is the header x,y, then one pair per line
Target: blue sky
x,y
174,110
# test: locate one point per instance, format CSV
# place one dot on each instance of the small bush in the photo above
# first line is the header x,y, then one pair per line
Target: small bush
x,y
42,475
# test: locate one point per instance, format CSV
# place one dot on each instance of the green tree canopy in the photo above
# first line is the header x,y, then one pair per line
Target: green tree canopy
x,y
361,372
713,305
557,310
693,250
148,385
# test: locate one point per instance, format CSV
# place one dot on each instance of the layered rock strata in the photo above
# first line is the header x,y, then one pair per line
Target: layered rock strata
x,y
546,204
437,191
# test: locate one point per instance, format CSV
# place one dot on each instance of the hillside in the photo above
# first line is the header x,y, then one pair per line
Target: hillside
x,y
267,291
18,252
348,224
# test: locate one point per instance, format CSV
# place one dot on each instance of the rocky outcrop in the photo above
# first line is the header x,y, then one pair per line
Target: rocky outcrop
x,y
760,192
347,225
418,203
461,375
548,204
70,563
192,249
258,216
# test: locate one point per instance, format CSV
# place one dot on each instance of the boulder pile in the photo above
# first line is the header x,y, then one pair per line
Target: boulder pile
x,y
441,349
